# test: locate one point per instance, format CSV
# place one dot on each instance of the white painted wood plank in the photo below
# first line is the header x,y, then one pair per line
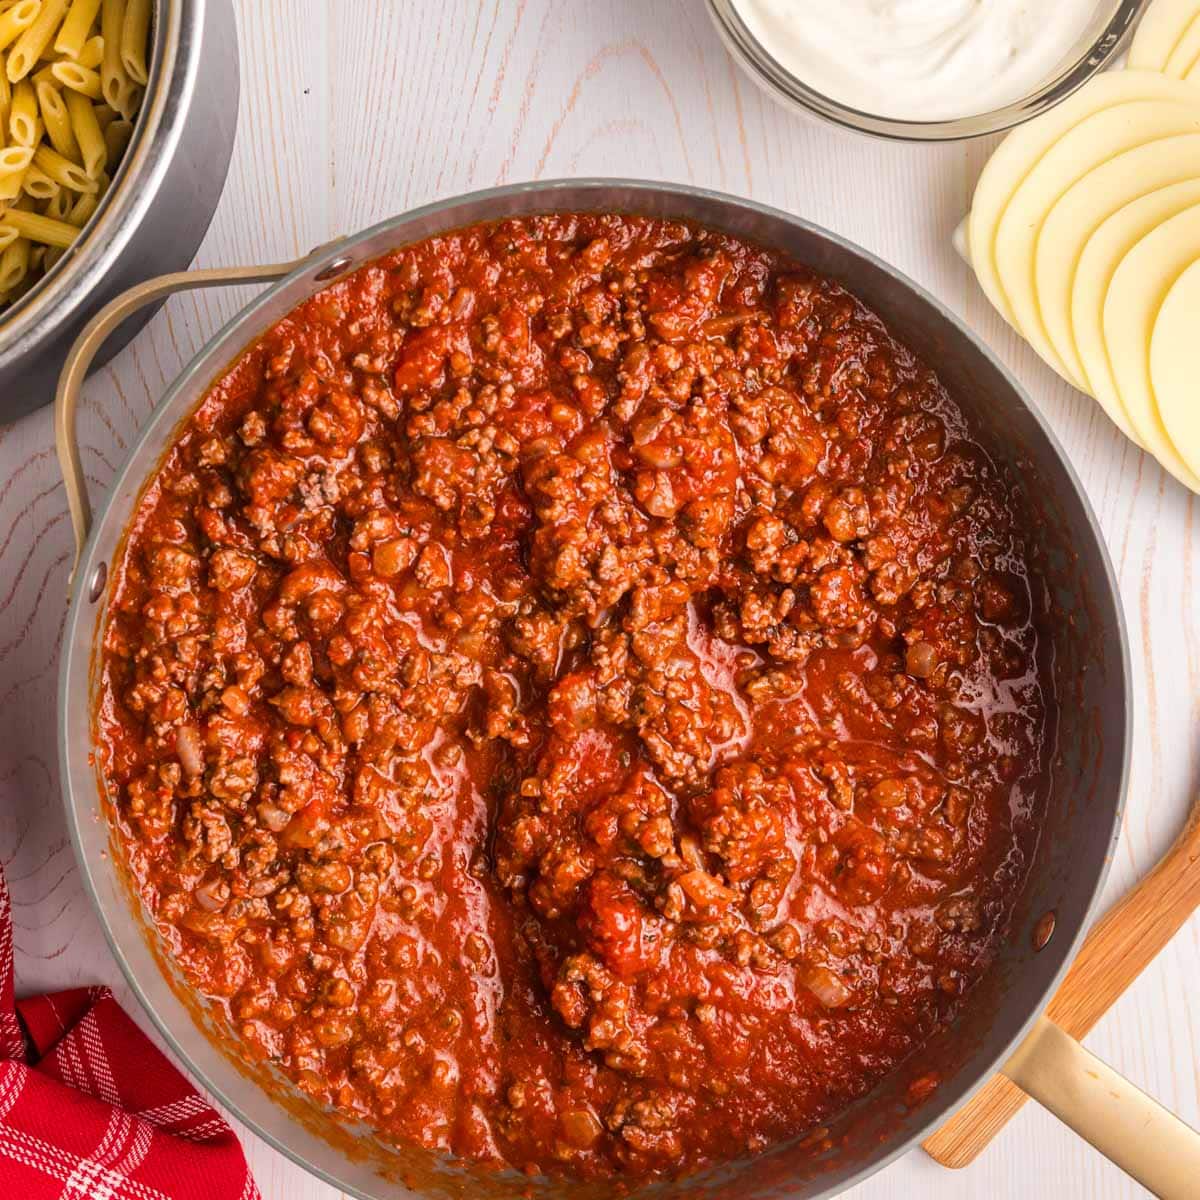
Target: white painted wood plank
x,y
354,110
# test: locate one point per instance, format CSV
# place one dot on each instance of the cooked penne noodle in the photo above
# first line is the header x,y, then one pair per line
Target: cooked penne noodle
x,y
113,80
92,53
77,25
78,79
62,170
23,114
16,20
72,78
130,100
12,185
57,120
14,261
89,137
82,210
59,205
14,160
116,138
34,41
135,31
38,184
44,230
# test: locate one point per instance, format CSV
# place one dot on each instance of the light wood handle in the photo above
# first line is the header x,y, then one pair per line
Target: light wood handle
x,y
1145,1140
1113,955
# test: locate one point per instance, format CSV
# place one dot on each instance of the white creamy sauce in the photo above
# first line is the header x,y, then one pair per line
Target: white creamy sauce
x,y
920,60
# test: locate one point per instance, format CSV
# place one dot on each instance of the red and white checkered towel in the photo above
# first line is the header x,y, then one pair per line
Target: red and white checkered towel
x,y
96,1112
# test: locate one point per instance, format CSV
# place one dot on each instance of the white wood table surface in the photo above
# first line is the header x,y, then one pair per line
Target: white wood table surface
x,y
355,110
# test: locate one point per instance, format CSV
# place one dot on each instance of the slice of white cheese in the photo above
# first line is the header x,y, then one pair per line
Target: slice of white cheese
x,y
1173,373
1022,149
1095,140
1183,57
1136,293
1160,31
1104,251
1073,220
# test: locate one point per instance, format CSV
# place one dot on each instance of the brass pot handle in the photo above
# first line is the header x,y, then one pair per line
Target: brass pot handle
x,y
86,347
1145,1140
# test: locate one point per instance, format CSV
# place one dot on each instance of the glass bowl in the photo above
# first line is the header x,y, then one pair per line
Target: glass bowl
x,y
1095,49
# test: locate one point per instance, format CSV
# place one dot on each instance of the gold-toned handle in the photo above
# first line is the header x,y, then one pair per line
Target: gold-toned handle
x,y
1121,1121
88,344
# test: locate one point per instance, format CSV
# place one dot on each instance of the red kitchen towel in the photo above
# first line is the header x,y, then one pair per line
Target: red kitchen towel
x,y
96,1112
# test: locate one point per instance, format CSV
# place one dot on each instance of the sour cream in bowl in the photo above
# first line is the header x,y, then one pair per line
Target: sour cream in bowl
x,y
945,68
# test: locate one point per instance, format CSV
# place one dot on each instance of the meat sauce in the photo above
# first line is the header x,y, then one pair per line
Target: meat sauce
x,y
572,694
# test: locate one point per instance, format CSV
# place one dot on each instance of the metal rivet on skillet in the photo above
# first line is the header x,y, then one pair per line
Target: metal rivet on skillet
x,y
99,578
335,268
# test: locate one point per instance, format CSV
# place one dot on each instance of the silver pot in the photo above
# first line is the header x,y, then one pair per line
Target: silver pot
x,y
156,213
1091,660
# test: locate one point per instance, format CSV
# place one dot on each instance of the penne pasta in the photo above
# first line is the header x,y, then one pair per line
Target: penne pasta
x,y
16,20
72,78
89,137
23,115
130,99
14,160
14,260
37,184
113,80
12,185
116,138
77,25
57,120
82,210
59,205
46,231
35,40
135,31
62,170
78,79
92,53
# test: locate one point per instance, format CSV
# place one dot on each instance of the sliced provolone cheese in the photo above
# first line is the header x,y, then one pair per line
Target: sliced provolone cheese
x,y
1183,57
1136,293
1173,357
1022,149
1160,31
1104,251
1073,220
1095,140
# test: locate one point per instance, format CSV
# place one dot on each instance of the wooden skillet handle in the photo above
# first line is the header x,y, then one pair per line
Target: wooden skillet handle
x,y
1113,955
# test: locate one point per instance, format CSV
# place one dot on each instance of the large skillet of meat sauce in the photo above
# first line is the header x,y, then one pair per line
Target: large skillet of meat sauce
x,y
572,695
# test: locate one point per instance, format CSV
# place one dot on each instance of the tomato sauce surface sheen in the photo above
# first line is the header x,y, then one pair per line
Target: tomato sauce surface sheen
x,y
572,694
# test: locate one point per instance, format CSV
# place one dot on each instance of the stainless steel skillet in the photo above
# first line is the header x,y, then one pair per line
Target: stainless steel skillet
x,y
1088,774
